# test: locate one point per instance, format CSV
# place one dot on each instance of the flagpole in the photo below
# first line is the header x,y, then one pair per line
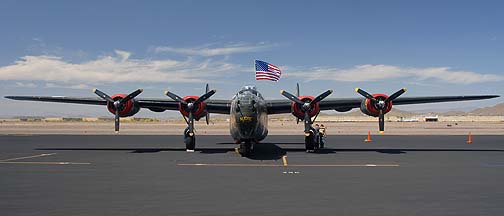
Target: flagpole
x,y
255,71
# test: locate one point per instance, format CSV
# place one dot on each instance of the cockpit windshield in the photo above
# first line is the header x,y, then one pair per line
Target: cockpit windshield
x,y
250,89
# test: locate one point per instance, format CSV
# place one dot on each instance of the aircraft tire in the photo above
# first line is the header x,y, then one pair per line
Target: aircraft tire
x,y
190,141
309,145
245,149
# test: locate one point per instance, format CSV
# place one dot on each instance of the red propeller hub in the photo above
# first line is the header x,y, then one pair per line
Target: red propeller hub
x,y
198,112
126,108
297,108
371,106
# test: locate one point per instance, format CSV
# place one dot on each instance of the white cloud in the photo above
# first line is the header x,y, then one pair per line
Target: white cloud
x,y
26,85
362,73
77,86
215,51
114,69
123,54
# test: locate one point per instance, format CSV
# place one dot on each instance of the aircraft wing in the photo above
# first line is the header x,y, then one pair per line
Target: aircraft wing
x,y
274,106
158,105
346,104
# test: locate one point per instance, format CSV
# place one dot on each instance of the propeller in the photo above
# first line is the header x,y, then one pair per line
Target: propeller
x,y
207,117
381,104
118,104
306,107
297,94
191,106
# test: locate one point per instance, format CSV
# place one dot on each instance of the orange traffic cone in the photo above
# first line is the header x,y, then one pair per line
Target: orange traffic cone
x,y
368,139
469,138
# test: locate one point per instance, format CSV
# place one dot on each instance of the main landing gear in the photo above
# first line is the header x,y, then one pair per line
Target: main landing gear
x,y
313,141
189,140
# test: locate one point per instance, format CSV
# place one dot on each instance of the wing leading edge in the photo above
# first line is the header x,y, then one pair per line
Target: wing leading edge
x,y
274,106
284,106
213,106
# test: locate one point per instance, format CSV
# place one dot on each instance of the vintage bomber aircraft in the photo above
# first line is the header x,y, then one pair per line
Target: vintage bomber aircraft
x,y
249,111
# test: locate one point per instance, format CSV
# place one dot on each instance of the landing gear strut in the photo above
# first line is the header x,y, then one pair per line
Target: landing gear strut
x,y
310,144
189,140
313,141
245,148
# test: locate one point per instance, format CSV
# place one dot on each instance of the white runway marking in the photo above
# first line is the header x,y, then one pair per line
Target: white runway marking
x,y
34,156
15,161
282,165
42,163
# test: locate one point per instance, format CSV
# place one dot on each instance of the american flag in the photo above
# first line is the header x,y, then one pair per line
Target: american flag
x,y
267,71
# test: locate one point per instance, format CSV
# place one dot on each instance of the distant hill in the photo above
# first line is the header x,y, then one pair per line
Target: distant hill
x,y
393,112
497,110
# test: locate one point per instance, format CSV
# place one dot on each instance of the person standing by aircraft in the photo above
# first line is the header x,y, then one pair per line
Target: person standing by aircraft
x,y
317,135
322,135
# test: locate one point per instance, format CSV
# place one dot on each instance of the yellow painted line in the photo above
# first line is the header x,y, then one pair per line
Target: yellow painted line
x,y
291,165
284,160
34,156
20,134
42,163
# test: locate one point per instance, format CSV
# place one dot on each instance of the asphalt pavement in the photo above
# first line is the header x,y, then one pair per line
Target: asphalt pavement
x,y
153,175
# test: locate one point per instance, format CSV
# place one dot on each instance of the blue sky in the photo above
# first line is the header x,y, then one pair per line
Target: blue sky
x,y
67,48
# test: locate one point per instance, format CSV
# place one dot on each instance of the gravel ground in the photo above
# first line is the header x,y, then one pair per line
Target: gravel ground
x,y
275,128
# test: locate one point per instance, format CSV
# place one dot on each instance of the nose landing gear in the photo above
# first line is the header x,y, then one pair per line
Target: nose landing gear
x,y
189,140
245,148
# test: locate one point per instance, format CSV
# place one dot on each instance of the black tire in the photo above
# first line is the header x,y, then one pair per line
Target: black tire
x,y
309,145
190,141
245,149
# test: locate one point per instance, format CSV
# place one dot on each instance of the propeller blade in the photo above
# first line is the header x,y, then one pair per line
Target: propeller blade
x,y
321,97
131,95
381,121
191,124
297,89
307,122
365,94
103,95
297,94
116,119
291,97
175,97
205,96
207,117
395,95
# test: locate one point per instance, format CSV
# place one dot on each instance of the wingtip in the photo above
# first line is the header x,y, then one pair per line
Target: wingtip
x,y
382,132
94,90
405,89
282,91
356,89
166,92
141,90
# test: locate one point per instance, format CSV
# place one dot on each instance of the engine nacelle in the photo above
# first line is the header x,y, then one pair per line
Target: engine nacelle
x,y
298,111
370,108
129,108
199,111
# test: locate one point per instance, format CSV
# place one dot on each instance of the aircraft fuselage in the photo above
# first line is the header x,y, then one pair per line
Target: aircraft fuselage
x,y
248,119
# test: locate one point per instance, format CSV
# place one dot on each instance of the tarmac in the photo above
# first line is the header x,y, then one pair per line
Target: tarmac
x,y
153,175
